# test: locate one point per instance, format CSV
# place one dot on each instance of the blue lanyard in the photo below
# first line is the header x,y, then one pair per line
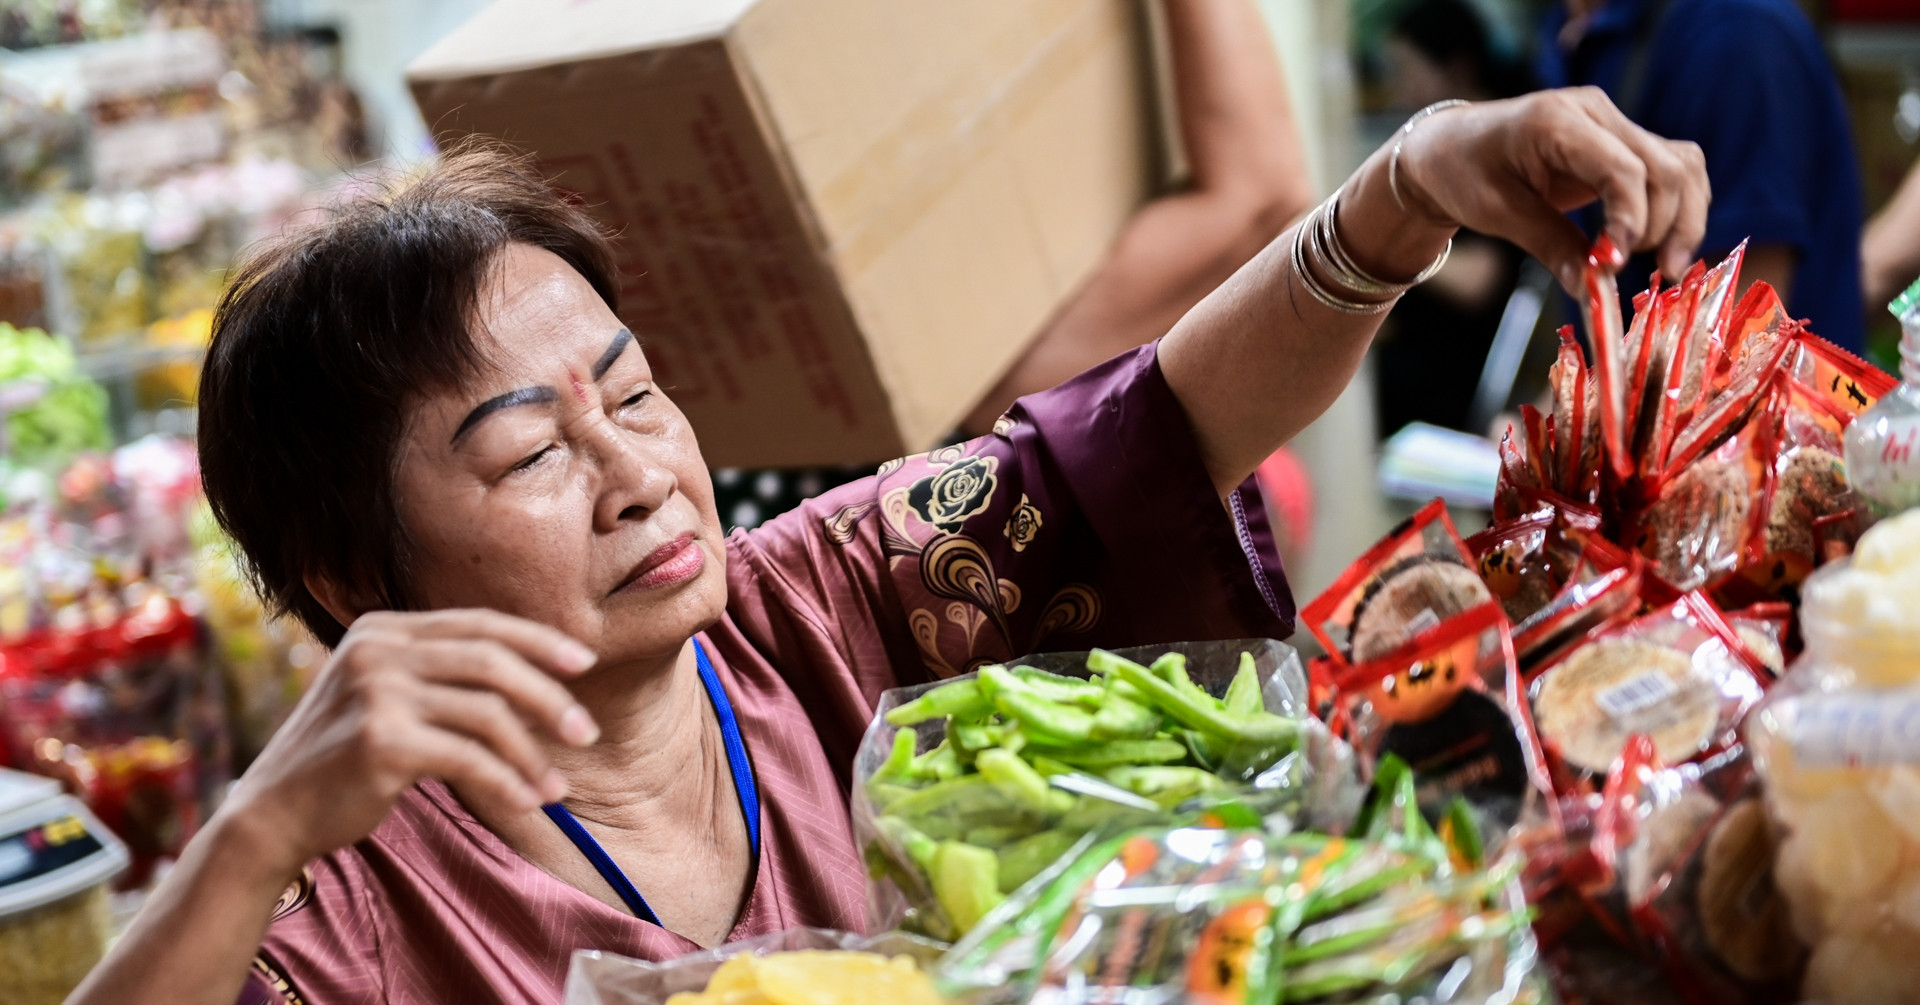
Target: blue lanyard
x,y
742,786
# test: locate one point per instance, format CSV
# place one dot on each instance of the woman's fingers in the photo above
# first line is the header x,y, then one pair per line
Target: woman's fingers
x,y
1578,152
483,664
1690,217
1675,180
539,644
489,718
465,763
1545,233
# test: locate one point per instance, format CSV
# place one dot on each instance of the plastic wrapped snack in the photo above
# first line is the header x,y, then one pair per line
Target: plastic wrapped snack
x,y
800,966
970,787
1416,577
1446,710
1249,917
1679,675
1836,744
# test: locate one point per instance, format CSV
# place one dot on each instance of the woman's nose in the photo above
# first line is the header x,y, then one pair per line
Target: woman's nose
x,y
635,480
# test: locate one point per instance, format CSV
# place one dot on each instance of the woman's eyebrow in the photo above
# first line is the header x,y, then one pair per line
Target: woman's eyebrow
x,y
614,349
511,399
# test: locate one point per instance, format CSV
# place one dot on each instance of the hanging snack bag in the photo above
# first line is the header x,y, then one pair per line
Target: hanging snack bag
x,y
1605,335
1849,383
130,716
1808,513
1759,339
1708,339
1679,675
1420,575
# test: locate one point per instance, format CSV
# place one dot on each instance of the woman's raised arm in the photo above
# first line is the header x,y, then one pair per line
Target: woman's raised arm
x,y
1263,356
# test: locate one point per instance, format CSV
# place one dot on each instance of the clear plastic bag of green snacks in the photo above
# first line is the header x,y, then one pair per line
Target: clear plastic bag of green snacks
x,y
1253,917
970,787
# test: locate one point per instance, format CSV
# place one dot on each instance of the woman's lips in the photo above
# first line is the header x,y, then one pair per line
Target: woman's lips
x,y
676,561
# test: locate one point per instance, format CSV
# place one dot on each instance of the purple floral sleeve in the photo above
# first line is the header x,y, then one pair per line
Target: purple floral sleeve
x,y
1086,519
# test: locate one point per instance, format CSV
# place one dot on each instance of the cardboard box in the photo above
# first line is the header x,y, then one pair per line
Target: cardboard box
x,y
840,220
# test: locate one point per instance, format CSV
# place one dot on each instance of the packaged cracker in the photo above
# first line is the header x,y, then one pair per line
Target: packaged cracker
x,y
1697,529
1416,577
1678,674
1444,705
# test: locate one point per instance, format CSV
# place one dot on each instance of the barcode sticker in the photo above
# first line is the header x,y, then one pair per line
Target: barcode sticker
x,y
1421,622
1636,693
1852,730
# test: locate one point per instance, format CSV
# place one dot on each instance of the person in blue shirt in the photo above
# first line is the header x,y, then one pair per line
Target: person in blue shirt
x,y
1749,82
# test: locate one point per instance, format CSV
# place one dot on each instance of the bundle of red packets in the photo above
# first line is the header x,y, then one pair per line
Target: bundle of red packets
x,y
1632,602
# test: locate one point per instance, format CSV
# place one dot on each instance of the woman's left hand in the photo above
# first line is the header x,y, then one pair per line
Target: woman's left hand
x,y
1514,168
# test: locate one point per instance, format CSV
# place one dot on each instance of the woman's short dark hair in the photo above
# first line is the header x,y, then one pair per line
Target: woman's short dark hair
x,y
326,338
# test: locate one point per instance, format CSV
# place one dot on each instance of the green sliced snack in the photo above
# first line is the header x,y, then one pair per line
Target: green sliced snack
x,y
1124,719
995,836
1116,753
1039,717
1023,860
899,762
966,880
1243,695
961,699
1055,687
940,764
1014,778
1199,711
1164,785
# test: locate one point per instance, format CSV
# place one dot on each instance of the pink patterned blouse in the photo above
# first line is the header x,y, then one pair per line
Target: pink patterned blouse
x,y
1085,519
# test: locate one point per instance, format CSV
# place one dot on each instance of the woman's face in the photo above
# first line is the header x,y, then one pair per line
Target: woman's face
x,y
562,486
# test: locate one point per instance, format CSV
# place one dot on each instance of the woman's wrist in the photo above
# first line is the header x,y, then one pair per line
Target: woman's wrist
x,y
1382,237
251,849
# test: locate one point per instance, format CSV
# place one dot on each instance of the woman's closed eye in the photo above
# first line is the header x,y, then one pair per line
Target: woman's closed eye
x,y
531,459
636,398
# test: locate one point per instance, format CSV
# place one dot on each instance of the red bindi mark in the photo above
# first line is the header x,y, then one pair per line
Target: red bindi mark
x,y
579,389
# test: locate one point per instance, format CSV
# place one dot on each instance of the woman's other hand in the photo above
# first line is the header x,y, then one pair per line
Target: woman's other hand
x,y
1515,168
1260,357
459,695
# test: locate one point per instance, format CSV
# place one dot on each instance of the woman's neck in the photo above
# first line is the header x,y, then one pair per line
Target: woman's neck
x,y
658,738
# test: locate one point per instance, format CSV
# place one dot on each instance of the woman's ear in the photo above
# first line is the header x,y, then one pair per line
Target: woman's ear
x,y
339,602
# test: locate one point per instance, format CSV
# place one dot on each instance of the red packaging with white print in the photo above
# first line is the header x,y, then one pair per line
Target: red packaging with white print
x,y
1850,383
1444,703
1417,577
1679,674
1585,606
1515,562
1759,339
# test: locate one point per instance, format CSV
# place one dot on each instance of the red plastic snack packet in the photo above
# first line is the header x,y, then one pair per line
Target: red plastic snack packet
x,y
1443,706
1765,628
1849,383
1678,674
1575,455
1707,342
1604,333
1416,577
1585,606
1807,513
1693,854
1513,559
1517,480
1697,529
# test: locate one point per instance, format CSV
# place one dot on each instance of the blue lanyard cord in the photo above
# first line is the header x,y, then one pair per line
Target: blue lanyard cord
x,y
743,787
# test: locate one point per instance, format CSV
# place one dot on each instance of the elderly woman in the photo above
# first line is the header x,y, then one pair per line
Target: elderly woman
x,y
563,712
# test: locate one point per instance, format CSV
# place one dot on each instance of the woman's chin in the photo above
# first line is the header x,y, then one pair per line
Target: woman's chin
x,y
656,622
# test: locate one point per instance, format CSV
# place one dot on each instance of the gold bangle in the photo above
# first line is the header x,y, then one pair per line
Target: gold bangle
x,y
1400,138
